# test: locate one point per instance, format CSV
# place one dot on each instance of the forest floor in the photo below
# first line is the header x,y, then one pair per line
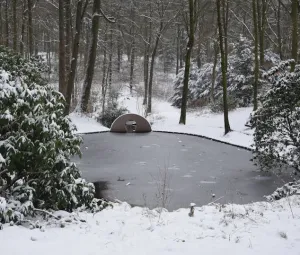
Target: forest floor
x,y
165,117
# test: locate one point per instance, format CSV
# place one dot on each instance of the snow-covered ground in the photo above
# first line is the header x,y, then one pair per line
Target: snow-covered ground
x,y
260,228
86,125
166,118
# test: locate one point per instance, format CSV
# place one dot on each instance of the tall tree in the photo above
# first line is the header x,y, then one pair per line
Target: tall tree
x,y
147,45
80,12
223,49
6,24
261,17
23,26
279,37
15,25
163,8
1,24
68,20
30,28
294,33
62,48
132,48
256,62
189,49
213,82
87,85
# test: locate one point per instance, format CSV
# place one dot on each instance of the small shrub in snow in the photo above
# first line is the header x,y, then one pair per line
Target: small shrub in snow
x,y
277,120
282,235
112,112
289,189
218,105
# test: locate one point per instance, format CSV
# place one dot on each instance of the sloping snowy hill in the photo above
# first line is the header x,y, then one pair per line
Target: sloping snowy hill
x,y
260,228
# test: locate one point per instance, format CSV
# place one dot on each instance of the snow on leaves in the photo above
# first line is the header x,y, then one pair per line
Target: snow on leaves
x,y
240,77
36,144
277,120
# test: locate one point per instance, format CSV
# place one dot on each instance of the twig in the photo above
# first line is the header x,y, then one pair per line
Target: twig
x,y
45,212
215,200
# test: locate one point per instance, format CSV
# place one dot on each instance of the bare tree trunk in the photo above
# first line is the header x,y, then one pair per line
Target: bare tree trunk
x,y
181,54
23,26
148,34
146,75
110,57
15,25
68,21
177,49
256,62
30,27
262,34
1,24
104,81
189,49
62,49
119,51
36,39
48,50
198,57
213,82
80,11
223,63
6,25
153,55
294,33
87,44
279,30
132,60
261,9
87,85
104,71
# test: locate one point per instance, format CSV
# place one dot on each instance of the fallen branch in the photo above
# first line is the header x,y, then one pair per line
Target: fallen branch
x,y
215,200
45,212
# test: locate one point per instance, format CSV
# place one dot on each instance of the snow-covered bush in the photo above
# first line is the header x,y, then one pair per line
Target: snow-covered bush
x,y
218,105
112,112
36,144
277,120
239,77
199,85
112,109
31,70
289,189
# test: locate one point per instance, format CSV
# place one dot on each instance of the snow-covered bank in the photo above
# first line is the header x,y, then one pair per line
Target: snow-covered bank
x,y
259,228
166,117
86,125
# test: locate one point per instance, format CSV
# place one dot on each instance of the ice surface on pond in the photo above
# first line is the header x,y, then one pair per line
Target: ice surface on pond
x,y
208,182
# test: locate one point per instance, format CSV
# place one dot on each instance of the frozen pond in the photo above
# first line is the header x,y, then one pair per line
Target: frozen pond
x,y
137,168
